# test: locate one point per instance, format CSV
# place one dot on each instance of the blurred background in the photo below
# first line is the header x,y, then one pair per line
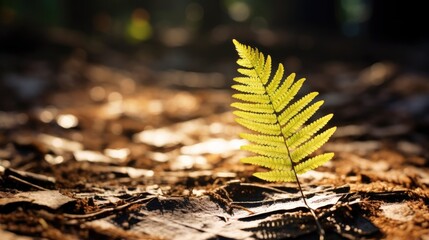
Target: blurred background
x,y
367,58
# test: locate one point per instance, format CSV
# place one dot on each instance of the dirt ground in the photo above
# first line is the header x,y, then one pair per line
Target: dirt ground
x,y
100,151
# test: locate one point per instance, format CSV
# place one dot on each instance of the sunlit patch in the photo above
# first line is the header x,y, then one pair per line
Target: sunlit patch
x,y
187,162
114,96
225,174
158,156
120,153
155,107
213,146
198,192
67,121
182,104
59,144
90,156
4,163
159,137
54,160
136,173
216,128
398,211
112,109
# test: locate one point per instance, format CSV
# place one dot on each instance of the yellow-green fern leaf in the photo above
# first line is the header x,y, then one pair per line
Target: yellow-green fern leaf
x,y
282,98
257,117
253,98
282,141
298,120
277,176
269,151
253,107
313,162
264,128
295,108
312,145
307,132
275,141
274,84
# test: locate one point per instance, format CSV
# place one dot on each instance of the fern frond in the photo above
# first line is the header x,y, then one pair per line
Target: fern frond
x,y
282,141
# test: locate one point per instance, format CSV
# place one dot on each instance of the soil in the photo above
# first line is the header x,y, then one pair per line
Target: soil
x,y
112,152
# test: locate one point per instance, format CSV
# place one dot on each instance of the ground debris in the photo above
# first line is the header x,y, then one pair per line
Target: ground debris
x,y
51,199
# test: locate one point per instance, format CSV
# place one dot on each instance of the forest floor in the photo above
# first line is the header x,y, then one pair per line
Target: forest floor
x,y
100,152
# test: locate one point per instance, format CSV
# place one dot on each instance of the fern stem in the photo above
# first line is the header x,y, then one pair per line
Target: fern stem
x,y
319,226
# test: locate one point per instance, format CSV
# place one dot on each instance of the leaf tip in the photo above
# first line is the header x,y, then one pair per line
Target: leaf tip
x,y
235,42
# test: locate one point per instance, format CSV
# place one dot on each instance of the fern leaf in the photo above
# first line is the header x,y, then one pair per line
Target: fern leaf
x,y
277,176
313,162
246,72
257,117
269,151
307,132
275,141
252,107
265,128
267,106
296,122
248,81
296,107
312,145
283,97
249,89
273,85
253,98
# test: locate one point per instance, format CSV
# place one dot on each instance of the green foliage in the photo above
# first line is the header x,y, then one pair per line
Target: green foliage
x,y
282,139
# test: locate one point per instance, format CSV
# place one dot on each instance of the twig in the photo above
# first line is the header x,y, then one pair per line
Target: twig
x,y
105,212
27,183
